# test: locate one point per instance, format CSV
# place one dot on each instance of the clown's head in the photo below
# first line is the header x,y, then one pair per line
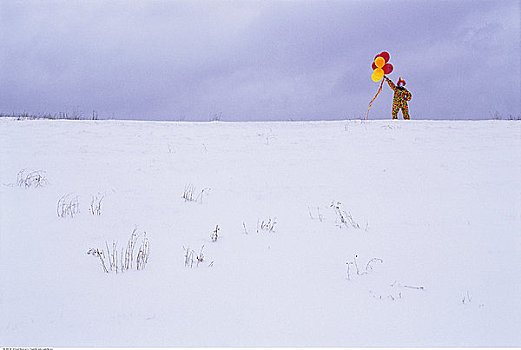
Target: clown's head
x,y
401,82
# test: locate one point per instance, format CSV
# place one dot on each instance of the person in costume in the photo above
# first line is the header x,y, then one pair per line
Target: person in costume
x,y
400,98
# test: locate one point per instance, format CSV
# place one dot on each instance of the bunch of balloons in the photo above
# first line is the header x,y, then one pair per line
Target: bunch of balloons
x,y
380,66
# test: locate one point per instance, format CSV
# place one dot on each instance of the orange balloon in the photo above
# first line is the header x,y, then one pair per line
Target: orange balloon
x,y
379,62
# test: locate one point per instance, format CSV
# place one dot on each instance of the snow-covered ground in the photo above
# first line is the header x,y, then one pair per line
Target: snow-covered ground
x,y
428,253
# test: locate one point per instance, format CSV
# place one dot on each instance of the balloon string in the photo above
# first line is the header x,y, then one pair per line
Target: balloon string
x,y
374,98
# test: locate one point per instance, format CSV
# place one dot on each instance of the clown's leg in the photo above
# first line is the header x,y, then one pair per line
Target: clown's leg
x,y
396,108
405,111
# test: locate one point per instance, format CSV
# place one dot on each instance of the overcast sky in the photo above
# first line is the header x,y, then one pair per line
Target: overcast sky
x,y
258,60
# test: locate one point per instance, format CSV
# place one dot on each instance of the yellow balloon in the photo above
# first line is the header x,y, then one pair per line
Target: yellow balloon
x,y
379,62
378,74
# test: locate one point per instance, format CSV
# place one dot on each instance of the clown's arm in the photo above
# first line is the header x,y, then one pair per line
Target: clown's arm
x,y
391,84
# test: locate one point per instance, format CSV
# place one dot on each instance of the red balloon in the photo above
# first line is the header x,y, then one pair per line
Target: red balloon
x,y
388,68
374,66
385,55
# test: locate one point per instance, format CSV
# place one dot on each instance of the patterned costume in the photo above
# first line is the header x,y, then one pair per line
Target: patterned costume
x,y
401,96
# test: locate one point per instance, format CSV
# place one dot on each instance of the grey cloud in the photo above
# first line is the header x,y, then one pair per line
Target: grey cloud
x,y
257,60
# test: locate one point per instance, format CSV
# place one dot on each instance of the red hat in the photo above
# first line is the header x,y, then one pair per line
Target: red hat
x,y
401,82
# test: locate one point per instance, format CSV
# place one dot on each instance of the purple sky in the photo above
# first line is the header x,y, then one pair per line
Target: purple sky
x,y
258,60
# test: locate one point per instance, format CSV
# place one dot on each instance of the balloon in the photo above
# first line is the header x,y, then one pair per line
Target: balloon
x,y
374,66
387,68
385,55
378,74
379,62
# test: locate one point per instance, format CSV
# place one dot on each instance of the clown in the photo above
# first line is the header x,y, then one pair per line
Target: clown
x,y
401,96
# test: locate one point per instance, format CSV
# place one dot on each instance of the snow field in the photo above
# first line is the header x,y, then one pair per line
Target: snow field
x,y
438,202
